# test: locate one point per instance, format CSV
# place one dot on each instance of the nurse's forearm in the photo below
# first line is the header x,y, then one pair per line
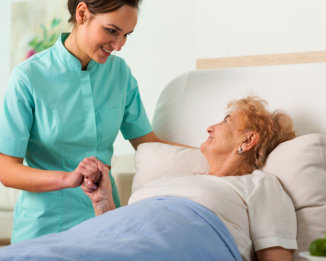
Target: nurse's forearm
x,y
14,174
151,137
177,144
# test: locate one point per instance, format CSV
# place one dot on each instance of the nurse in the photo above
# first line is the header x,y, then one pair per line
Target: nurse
x,y
64,107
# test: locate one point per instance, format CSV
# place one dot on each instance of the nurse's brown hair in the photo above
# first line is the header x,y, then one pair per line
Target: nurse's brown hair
x,y
99,6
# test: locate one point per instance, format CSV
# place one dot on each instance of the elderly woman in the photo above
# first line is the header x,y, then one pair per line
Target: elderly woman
x,y
179,216
235,147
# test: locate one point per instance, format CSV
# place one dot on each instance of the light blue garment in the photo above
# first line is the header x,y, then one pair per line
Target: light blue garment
x,y
159,229
54,115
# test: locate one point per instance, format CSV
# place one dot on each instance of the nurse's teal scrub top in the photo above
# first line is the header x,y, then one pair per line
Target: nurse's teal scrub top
x,y
54,115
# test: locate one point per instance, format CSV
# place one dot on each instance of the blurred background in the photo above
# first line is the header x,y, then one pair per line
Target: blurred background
x,y
171,35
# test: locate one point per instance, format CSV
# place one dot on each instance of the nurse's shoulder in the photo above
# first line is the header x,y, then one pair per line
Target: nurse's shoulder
x,y
30,70
38,62
117,64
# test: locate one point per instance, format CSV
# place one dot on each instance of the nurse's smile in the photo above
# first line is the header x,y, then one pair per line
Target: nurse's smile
x,y
106,51
95,36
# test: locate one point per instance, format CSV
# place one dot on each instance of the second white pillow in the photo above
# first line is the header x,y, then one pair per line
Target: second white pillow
x,y
154,160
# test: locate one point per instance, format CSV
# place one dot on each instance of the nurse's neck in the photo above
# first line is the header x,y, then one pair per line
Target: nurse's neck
x,y
73,46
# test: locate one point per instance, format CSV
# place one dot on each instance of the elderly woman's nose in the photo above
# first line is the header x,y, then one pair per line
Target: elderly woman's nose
x,y
210,129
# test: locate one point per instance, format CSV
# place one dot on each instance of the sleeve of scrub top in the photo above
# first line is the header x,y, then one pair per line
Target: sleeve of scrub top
x,y
16,116
135,122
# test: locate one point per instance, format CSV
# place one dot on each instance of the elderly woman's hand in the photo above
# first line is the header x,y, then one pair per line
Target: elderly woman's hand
x,y
101,195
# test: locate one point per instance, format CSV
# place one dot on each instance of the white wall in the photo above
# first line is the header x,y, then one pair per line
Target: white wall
x,y
171,34
233,27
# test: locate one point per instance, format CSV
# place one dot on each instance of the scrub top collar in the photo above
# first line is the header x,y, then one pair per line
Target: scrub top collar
x,y
67,58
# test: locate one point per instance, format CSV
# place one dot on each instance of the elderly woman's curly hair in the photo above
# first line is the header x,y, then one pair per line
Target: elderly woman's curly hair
x,y
272,128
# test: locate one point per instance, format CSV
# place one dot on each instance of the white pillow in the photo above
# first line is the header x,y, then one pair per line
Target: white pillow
x,y
154,160
299,164
8,197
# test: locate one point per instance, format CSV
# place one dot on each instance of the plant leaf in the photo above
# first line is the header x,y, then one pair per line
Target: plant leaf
x,y
33,42
38,47
55,22
45,31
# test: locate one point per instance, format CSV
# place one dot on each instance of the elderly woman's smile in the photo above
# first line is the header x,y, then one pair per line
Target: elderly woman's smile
x,y
224,137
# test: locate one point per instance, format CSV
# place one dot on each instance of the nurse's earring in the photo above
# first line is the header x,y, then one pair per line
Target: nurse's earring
x,y
240,150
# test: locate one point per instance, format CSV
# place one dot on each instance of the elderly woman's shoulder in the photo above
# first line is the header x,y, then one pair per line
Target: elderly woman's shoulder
x,y
263,177
255,185
253,179
256,179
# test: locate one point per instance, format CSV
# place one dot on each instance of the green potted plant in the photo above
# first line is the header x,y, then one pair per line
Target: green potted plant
x,y
48,39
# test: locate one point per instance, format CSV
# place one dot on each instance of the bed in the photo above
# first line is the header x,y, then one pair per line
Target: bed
x,y
293,82
187,105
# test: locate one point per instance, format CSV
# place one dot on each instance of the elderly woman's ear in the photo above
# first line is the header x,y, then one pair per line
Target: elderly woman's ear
x,y
250,140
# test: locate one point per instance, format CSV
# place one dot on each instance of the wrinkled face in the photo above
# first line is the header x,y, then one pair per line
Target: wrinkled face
x,y
103,33
224,137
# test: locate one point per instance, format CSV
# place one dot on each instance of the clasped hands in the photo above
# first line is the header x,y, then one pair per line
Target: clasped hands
x,y
93,177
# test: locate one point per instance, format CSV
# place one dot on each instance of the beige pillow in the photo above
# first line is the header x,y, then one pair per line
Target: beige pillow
x,y
300,166
8,197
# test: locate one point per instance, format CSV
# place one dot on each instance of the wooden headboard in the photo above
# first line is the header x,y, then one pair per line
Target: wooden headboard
x,y
261,60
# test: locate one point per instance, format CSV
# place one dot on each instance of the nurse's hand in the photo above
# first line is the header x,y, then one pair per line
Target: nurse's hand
x,y
101,196
87,169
